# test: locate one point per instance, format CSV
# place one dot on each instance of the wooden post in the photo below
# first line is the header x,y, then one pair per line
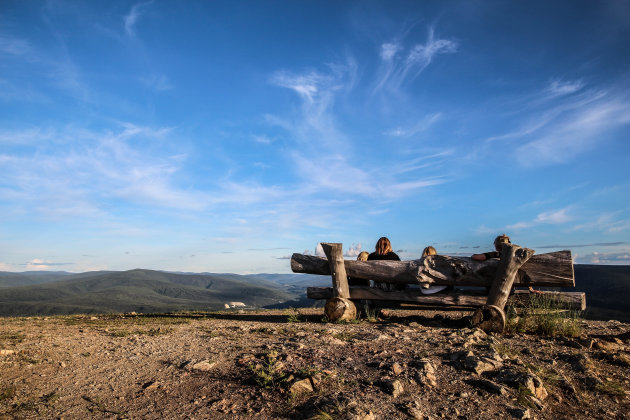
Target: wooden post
x,y
491,317
340,307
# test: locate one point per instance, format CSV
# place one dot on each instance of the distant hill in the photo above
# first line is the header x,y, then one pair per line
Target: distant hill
x,y
46,293
135,290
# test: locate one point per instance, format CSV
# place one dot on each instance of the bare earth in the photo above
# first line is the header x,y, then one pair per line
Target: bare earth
x,y
288,364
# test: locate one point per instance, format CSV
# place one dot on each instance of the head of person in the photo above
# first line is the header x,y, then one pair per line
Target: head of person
x,y
428,251
363,256
500,240
383,246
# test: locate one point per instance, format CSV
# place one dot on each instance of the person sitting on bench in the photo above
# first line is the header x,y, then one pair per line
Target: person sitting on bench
x,y
426,289
498,243
383,251
363,256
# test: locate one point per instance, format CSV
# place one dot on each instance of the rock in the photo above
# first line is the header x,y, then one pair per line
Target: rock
x,y
204,365
480,365
605,346
490,386
395,388
416,413
397,369
6,352
301,387
426,374
528,380
150,385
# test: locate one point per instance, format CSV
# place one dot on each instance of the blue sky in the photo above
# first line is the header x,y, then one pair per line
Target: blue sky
x,y
224,136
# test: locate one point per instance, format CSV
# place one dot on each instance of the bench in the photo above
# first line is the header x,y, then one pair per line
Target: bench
x,y
517,267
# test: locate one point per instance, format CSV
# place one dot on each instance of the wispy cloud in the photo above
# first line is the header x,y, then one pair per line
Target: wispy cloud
x,y
581,245
37,264
159,83
400,65
14,46
560,87
553,217
604,258
422,124
130,19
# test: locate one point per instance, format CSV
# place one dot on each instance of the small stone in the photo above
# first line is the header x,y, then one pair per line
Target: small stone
x,y
301,387
397,369
6,352
395,388
204,365
416,413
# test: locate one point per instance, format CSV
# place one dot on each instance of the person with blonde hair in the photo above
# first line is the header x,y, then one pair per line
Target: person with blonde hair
x,y
363,256
498,243
426,289
429,251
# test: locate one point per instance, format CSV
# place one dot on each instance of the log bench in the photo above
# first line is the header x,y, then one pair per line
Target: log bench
x,y
517,267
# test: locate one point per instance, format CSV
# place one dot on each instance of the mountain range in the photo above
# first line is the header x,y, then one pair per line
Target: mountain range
x,y
149,291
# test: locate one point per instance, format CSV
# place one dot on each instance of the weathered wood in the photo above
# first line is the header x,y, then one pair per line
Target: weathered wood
x,y
340,309
334,253
512,258
469,298
554,269
489,318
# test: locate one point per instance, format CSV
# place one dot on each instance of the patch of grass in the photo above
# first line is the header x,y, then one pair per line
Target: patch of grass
x,y
523,395
50,398
543,316
267,373
612,388
344,336
307,372
119,333
293,315
505,350
153,331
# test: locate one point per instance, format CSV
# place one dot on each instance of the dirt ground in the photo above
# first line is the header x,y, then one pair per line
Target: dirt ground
x,y
292,364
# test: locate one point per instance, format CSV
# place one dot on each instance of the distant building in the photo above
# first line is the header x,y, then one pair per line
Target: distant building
x,y
234,305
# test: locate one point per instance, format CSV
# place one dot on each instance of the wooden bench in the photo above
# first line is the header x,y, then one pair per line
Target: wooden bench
x,y
517,267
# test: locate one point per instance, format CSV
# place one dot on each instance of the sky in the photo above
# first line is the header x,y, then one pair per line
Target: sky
x,y
223,136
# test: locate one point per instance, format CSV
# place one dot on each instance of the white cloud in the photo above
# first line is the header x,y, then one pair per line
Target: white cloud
x,y
263,139
422,124
5,267
132,17
396,69
389,50
559,87
554,217
353,251
14,46
159,83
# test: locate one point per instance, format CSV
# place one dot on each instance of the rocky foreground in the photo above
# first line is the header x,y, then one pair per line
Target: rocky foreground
x,y
290,364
